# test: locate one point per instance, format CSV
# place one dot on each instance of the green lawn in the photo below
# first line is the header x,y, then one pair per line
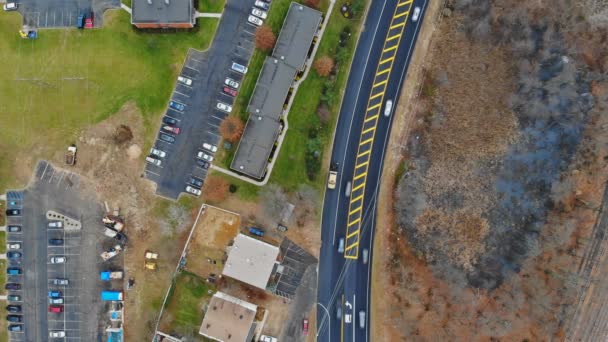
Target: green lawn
x,y
211,6
68,79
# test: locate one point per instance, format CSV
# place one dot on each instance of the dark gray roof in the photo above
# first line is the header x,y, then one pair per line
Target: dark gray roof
x,y
255,146
271,89
159,12
299,28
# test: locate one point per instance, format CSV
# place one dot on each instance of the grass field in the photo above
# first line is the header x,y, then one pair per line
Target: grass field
x,y
68,79
211,6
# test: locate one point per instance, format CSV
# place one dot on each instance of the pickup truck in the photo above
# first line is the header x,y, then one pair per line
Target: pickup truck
x,y
333,176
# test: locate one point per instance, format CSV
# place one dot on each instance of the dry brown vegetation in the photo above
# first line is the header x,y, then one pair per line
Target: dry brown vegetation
x,y
264,38
231,129
324,65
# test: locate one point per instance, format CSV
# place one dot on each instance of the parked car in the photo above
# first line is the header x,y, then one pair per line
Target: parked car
x,y
171,129
256,231
56,308
202,163
13,255
55,300
196,182
60,281
13,229
185,80
209,147
158,153
153,160
193,191
55,224
13,203
177,106
169,120
54,294
13,271
56,242
15,328
80,21
388,107
204,156
239,67
59,333
259,13
13,212
13,298
13,245
167,138
230,91
229,81
305,326
14,318
416,14
12,286
13,308
262,4
58,260
224,107
10,6
255,20
121,237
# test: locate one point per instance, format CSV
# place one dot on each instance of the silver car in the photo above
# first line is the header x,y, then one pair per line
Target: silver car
x,y
158,153
416,14
153,160
224,107
230,82
193,191
255,20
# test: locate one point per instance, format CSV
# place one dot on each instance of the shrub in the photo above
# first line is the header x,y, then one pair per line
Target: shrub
x,y
264,38
324,65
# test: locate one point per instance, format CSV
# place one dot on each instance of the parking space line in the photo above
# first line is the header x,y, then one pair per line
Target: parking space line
x,y
43,172
251,33
154,173
189,67
181,93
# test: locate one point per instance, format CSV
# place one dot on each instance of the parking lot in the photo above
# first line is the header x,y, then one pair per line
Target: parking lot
x,y
200,118
51,255
62,13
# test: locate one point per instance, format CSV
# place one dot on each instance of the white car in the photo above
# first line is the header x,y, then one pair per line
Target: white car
x,y
13,245
239,68
55,224
158,153
210,148
230,82
59,333
416,14
204,156
388,107
365,256
58,260
362,319
184,80
55,300
153,161
224,107
10,6
255,20
259,13
262,4
193,191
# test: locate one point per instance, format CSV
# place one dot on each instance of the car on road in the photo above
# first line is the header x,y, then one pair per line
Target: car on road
x,y
338,311
255,20
166,138
202,163
262,4
196,182
55,300
259,13
193,191
388,107
13,271
204,156
185,80
13,255
55,224
56,242
13,245
209,147
230,91
12,286
239,67
60,281
169,121
305,326
54,294
365,256
13,308
14,318
347,189
341,245
224,107
362,319
171,129
15,328
158,153
229,81
13,212
58,260
153,160
416,14
56,308
177,106
13,229
10,6
57,334
13,298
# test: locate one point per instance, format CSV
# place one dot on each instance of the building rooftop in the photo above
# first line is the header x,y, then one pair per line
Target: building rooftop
x,y
162,11
251,261
228,319
271,89
255,146
299,28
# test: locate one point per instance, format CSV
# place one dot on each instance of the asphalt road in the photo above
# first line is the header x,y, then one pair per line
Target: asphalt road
x,y
379,67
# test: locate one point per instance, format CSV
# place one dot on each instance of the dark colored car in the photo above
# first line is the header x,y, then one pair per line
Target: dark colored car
x,y
256,231
177,106
230,91
13,229
202,163
195,182
169,121
167,138
15,327
13,271
13,212
13,308
13,298
121,237
56,242
54,294
13,255
14,318
56,308
80,21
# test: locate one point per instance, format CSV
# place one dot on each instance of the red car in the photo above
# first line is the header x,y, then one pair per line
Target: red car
x,y
56,308
171,129
88,23
230,91
305,326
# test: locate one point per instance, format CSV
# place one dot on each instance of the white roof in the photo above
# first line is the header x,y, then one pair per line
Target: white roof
x,y
251,261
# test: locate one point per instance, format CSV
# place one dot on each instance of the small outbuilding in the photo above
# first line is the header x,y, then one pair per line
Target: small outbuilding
x,y
228,319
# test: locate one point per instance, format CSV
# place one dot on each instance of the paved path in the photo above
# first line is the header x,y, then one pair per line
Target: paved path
x,y
207,15
126,8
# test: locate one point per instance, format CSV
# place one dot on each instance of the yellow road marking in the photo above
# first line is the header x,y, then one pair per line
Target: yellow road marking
x,y
354,222
366,152
396,25
354,211
348,236
358,186
401,14
351,247
393,37
374,106
367,141
382,73
389,49
359,176
386,60
380,84
379,94
403,3
362,164
371,118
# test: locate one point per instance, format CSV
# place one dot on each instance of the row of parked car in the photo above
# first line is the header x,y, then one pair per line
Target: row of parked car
x,y
259,12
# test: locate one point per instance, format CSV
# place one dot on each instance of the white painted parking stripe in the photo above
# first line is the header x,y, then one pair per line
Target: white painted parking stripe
x,y
213,116
154,173
189,67
217,135
194,59
251,33
43,172
177,92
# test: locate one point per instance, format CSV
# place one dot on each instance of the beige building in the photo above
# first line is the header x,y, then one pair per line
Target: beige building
x,y
251,261
228,319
